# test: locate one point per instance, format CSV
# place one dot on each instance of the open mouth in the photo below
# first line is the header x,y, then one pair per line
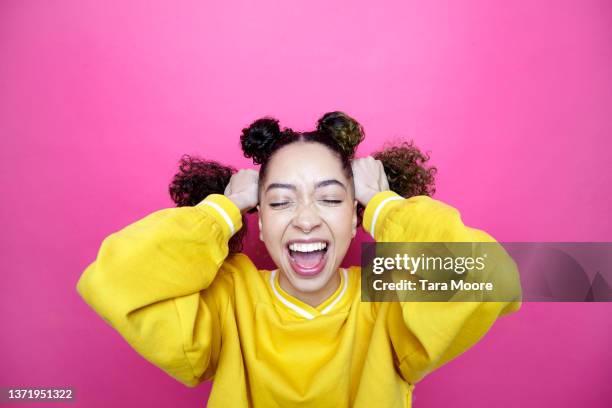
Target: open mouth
x,y
307,258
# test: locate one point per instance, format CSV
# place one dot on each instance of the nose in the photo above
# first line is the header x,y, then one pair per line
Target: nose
x,y
306,218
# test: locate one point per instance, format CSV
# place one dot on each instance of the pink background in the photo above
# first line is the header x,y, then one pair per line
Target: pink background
x,y
98,100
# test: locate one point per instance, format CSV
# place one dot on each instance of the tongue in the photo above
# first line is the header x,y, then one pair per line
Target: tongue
x,y
308,259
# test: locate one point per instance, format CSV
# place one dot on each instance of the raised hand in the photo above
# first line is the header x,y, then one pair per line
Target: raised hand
x,y
369,178
242,189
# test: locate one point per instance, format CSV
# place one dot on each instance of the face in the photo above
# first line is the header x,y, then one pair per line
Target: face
x,y
307,216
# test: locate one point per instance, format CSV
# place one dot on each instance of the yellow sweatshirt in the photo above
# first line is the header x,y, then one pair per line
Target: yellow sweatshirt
x,y
168,286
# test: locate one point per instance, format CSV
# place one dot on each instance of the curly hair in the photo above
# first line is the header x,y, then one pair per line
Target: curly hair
x,y
196,179
340,133
405,165
406,169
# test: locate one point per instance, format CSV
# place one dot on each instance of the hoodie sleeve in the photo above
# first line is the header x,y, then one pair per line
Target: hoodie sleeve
x,y
160,283
426,335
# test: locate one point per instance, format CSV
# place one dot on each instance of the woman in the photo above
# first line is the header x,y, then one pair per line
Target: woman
x,y
176,287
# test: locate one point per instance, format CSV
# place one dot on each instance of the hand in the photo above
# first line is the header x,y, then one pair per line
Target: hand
x,y
242,189
369,178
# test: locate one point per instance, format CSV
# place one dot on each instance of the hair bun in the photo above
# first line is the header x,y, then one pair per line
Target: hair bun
x,y
258,139
346,131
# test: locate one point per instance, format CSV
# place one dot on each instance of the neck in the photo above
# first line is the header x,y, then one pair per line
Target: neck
x,y
313,299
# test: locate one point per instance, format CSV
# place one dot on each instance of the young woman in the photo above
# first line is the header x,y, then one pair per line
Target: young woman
x,y
177,288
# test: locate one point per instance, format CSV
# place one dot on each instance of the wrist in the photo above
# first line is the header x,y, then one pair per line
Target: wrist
x,y
224,211
242,201
237,201
367,197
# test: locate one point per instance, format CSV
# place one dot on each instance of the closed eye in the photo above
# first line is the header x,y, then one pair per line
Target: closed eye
x,y
333,202
279,205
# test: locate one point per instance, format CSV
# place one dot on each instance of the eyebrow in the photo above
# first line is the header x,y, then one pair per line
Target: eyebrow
x,y
320,184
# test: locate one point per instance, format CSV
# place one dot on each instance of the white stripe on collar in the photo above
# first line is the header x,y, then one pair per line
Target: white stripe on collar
x,y
287,303
298,309
337,299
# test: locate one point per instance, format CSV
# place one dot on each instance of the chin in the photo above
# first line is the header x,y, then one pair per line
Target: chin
x,y
308,284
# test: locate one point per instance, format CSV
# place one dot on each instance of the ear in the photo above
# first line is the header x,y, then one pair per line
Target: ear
x,y
354,231
259,223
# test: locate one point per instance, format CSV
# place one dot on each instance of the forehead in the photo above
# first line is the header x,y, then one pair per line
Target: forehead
x,y
304,163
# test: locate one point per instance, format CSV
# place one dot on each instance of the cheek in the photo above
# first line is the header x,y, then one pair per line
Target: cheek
x,y
272,228
341,224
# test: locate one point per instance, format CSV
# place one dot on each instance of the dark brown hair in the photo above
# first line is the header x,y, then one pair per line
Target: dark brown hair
x,y
335,130
196,179
405,165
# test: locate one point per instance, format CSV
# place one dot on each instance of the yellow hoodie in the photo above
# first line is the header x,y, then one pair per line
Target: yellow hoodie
x,y
168,286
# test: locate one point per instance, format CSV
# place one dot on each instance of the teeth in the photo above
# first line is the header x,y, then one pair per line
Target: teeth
x,y
315,246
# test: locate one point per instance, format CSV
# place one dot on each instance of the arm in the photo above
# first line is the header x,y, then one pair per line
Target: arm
x,y
426,335
160,283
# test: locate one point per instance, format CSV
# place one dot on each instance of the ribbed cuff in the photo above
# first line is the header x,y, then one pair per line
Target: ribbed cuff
x,y
223,210
378,208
